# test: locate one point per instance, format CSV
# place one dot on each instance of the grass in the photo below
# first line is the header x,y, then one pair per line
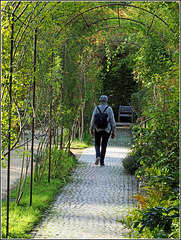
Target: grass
x,y
77,144
86,142
23,217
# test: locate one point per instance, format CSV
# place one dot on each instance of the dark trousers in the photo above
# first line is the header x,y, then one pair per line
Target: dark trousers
x,y
104,136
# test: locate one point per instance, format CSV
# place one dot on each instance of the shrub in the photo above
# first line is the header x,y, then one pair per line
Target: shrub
x,y
131,163
61,163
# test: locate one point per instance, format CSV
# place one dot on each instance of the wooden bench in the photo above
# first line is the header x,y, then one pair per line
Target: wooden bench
x,y
125,111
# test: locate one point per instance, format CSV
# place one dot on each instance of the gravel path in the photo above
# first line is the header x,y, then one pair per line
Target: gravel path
x,y
91,204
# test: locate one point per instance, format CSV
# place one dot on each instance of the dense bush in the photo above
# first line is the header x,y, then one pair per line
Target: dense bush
x,y
156,148
158,143
61,163
131,163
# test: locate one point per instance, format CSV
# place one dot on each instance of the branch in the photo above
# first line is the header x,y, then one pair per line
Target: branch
x,y
14,148
32,109
23,23
152,21
4,10
20,130
129,19
40,9
17,147
141,118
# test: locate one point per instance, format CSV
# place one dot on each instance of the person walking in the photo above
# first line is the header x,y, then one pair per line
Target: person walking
x,y
102,132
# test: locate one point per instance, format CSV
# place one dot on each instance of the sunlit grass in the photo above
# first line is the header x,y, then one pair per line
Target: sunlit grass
x,y
79,145
86,142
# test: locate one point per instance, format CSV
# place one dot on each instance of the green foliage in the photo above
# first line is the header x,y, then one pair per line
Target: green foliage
x,y
131,163
158,218
86,142
61,163
87,139
158,148
153,223
118,82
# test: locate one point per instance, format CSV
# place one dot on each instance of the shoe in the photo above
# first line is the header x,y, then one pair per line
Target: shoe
x,y
102,164
97,161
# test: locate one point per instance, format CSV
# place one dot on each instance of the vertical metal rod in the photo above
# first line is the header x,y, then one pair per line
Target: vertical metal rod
x,y
9,130
69,141
62,120
33,119
57,137
27,149
62,89
61,135
50,119
50,135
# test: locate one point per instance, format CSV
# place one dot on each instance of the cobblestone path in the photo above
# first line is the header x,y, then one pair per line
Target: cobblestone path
x,y
91,204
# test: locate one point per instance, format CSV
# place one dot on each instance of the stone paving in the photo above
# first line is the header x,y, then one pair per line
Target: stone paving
x,y
91,204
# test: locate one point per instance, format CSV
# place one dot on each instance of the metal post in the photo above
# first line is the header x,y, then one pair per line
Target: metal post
x,y
50,135
62,120
61,134
33,120
50,118
9,130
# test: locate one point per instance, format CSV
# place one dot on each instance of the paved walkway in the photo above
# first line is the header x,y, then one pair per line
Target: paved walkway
x,y
91,204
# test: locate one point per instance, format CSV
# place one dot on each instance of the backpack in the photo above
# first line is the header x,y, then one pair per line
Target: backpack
x,y
101,119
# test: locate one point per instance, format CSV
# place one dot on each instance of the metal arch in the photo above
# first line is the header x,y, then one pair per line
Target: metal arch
x,y
115,18
155,15
22,12
96,7
104,5
113,4
129,19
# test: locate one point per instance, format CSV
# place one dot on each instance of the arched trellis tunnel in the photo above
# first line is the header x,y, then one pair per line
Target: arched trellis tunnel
x,y
57,56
